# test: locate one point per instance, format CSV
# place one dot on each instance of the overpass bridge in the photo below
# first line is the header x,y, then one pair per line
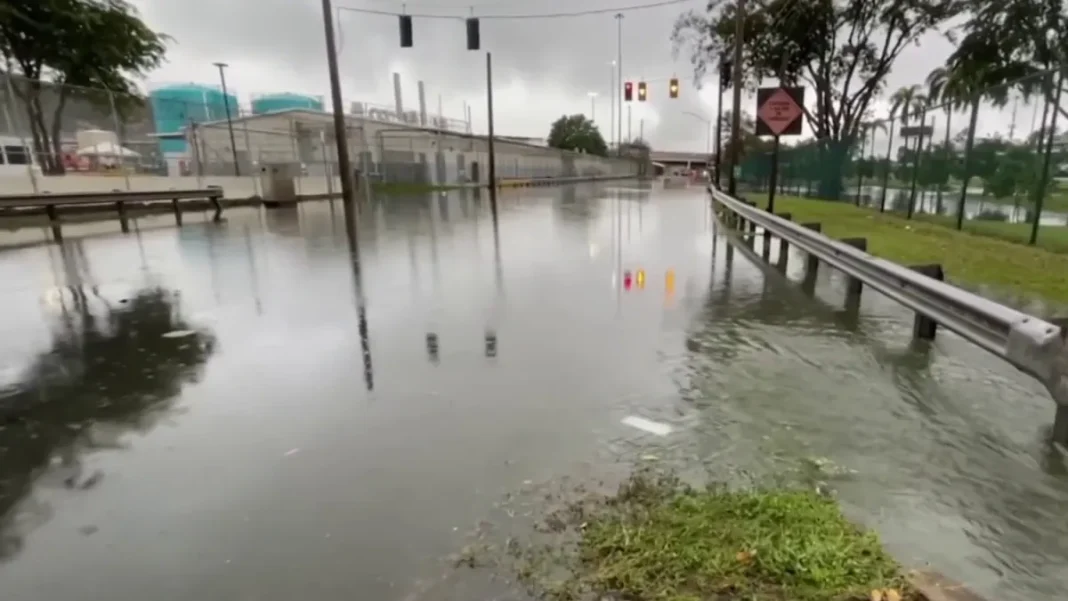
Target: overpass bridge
x,y
680,159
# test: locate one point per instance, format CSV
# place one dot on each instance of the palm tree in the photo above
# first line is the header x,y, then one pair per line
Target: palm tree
x,y
913,103
937,89
862,131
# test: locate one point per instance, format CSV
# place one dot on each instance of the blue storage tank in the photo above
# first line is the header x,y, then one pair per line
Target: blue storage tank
x,y
283,102
174,107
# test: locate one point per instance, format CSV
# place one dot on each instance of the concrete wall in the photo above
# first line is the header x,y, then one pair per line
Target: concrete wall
x,y
386,151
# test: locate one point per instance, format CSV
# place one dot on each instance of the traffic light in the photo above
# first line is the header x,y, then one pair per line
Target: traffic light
x,y
473,37
406,31
725,69
641,91
628,91
673,89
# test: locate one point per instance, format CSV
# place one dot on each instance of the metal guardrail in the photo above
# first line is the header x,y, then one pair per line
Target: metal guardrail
x,y
117,198
1034,346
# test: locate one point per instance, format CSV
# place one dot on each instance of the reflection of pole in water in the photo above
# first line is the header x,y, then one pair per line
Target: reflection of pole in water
x,y
498,276
252,272
361,301
214,265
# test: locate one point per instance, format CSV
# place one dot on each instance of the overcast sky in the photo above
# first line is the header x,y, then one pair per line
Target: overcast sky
x,y
543,68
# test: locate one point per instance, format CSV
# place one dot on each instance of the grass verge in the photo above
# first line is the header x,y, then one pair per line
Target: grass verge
x,y
983,255
658,539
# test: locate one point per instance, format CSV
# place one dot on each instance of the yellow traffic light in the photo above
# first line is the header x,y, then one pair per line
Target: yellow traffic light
x,y
674,88
640,280
641,91
669,281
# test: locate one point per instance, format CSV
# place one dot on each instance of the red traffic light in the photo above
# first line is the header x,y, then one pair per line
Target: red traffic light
x,y
627,280
628,91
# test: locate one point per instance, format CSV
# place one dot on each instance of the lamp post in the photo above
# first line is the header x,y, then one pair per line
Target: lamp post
x,y
619,75
229,119
708,138
593,105
613,95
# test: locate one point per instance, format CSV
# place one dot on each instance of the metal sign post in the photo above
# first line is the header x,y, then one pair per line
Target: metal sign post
x,y
779,113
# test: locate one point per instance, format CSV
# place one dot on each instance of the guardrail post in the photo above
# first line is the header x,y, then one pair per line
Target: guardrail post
x,y
177,212
812,263
923,327
216,201
853,285
53,220
784,246
123,221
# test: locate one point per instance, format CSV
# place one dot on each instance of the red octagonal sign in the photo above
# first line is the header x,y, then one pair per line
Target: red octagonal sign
x,y
779,111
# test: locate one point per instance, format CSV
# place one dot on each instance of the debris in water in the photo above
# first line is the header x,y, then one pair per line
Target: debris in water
x,y
88,530
179,333
291,452
647,425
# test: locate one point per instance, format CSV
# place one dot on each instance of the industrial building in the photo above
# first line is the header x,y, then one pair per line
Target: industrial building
x,y
384,145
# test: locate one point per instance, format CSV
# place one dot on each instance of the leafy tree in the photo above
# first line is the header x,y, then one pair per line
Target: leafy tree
x,y
98,45
841,50
577,133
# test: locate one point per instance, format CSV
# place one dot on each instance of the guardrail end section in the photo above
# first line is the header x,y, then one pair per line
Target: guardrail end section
x,y
1039,348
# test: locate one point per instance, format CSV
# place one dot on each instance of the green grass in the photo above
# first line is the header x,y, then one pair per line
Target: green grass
x,y
985,254
659,540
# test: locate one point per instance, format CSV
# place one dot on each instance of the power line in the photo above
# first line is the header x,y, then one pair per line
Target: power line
x,y
506,17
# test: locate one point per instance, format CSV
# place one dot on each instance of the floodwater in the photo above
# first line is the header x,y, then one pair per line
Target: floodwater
x,y
233,412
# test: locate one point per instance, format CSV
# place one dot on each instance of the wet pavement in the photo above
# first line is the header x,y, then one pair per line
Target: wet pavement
x,y
231,411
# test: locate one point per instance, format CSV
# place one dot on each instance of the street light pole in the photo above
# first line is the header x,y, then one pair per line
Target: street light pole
x,y
593,105
612,100
708,137
229,119
619,75
348,196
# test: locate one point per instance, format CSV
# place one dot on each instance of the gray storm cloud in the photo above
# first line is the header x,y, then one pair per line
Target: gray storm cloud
x,y
543,68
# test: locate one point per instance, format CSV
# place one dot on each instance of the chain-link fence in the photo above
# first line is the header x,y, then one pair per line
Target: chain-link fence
x,y
66,139
996,166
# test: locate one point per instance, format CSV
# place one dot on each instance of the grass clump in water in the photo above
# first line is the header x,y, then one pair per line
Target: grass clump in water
x,y
659,540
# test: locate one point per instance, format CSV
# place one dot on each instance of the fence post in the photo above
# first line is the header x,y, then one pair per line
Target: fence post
x,y
12,110
121,150
253,170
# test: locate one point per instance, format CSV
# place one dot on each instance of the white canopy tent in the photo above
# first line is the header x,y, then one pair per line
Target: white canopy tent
x,y
107,150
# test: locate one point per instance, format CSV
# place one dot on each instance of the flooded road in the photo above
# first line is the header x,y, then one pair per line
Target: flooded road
x,y
231,411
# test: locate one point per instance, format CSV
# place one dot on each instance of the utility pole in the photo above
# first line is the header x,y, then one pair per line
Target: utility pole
x,y
619,77
340,135
719,127
229,119
489,136
629,139
736,116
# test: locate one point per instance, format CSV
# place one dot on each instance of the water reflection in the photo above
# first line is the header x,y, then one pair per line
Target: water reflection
x,y
350,484
111,369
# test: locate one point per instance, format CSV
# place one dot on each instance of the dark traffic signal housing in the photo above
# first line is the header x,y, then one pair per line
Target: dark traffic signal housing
x,y
642,91
725,69
628,91
673,89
